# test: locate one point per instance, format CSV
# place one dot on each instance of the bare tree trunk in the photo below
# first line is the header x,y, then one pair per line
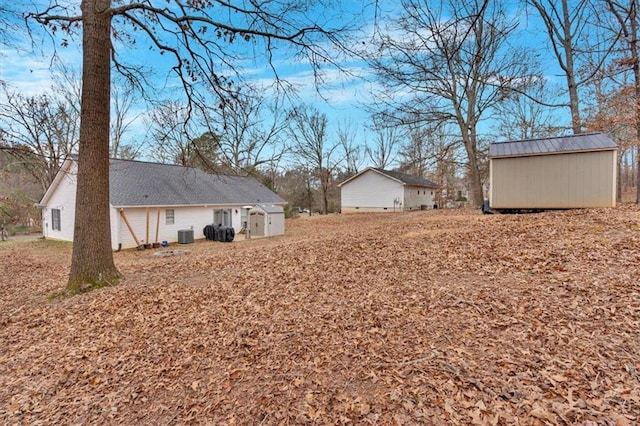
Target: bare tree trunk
x,y
325,189
633,169
638,177
567,44
474,175
309,192
619,187
633,18
560,30
628,169
92,260
629,16
470,141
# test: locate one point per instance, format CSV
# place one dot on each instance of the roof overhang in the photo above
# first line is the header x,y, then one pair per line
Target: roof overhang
x,y
421,186
540,154
171,206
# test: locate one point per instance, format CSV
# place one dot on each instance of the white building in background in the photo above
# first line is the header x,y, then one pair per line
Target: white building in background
x,y
378,190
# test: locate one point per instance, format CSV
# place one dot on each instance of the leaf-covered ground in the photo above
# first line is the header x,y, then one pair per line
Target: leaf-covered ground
x,y
439,317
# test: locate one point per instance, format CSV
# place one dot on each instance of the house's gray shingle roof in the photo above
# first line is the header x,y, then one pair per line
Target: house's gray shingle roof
x,y
572,143
135,183
408,179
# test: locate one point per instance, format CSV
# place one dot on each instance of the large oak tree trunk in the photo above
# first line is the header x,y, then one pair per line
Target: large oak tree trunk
x,y
470,142
92,262
477,196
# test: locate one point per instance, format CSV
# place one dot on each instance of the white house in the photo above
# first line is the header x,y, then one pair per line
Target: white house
x,y
378,190
151,202
575,171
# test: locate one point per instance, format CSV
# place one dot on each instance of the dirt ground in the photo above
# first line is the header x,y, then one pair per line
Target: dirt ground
x,y
430,317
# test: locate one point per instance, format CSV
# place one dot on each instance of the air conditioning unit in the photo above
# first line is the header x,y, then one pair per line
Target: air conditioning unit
x,y
185,236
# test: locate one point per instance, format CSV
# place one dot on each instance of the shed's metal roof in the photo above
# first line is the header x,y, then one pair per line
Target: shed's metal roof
x,y
551,145
136,183
408,179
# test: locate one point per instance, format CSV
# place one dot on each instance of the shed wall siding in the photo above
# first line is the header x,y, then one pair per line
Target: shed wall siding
x,y
195,217
370,192
64,199
275,224
573,180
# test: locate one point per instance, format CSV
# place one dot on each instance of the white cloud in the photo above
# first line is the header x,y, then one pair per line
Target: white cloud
x,y
27,75
30,73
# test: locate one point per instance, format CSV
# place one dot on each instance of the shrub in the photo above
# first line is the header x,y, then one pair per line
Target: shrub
x,y
289,211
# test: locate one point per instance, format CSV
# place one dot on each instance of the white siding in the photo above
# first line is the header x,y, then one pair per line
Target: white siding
x,y
64,199
417,196
115,223
192,217
370,192
574,180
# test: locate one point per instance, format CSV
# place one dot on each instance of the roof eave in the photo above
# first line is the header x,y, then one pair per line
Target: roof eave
x,y
538,154
434,186
160,206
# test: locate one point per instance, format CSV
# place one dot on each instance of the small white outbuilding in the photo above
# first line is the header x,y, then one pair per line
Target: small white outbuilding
x,y
266,220
577,171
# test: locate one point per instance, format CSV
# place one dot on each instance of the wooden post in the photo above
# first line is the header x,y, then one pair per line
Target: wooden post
x,y
157,225
126,222
146,240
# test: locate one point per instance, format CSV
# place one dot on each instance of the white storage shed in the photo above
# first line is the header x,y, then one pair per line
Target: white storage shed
x,y
266,220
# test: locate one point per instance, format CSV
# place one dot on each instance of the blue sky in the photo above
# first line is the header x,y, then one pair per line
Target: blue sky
x,y
28,70
342,98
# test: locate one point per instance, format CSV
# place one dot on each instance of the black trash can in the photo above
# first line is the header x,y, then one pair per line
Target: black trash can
x,y
209,232
220,232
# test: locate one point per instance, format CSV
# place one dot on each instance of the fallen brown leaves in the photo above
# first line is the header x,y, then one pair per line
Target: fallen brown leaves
x,y
441,317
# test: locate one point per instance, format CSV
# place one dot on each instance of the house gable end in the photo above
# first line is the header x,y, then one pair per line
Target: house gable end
x,y
399,177
65,170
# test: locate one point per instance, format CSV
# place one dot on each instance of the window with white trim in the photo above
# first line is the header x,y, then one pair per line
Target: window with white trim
x,y
222,217
55,220
170,217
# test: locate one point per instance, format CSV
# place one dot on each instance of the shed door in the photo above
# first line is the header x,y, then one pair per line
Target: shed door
x,y
256,221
